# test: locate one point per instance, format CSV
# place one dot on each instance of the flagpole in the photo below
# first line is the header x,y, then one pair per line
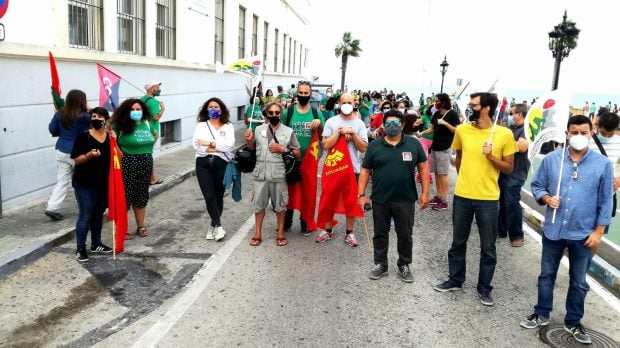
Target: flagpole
x,y
131,84
114,240
559,180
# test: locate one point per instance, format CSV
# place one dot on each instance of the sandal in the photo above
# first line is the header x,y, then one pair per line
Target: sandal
x,y
129,236
142,231
159,181
281,241
255,241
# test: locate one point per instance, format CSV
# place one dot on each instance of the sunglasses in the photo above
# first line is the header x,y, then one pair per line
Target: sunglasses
x,y
273,113
575,174
392,123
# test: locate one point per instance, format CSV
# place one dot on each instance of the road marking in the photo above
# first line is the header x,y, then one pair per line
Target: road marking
x,y
595,286
201,280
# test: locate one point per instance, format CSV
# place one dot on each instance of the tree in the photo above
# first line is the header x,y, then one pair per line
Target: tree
x,y
348,47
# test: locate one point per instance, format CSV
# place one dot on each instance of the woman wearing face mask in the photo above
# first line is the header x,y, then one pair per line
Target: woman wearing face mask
x,y
136,136
66,124
364,107
91,155
214,139
376,123
269,97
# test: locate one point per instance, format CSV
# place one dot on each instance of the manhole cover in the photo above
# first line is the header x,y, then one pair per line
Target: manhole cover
x,y
556,336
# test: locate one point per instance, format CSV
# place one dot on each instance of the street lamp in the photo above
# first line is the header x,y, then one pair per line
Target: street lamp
x,y
444,68
562,40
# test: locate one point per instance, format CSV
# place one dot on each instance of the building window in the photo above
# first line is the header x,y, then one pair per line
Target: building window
x,y
131,26
86,24
284,54
294,54
266,32
275,50
165,32
254,35
290,42
301,51
241,32
219,31
167,132
241,113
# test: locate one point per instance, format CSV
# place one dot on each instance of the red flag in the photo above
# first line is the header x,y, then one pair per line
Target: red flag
x,y
108,88
117,206
58,101
338,185
302,195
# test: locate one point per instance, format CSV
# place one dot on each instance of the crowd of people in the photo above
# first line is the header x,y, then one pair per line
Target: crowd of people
x,y
393,145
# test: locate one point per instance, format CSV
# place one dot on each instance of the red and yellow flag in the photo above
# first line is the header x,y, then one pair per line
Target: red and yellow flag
x,y
117,206
338,186
302,195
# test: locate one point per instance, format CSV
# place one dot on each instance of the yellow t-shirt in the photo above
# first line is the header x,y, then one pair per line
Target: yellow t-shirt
x,y
477,177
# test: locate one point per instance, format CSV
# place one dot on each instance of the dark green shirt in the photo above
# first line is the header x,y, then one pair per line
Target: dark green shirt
x,y
393,169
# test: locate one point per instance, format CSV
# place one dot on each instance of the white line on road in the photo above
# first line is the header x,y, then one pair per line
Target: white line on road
x,y
201,280
595,286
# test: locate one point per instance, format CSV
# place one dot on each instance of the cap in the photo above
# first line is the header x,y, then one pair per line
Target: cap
x,y
151,84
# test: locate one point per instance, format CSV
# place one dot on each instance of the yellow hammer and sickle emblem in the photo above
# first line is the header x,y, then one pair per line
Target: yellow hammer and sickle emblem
x,y
117,164
333,158
314,149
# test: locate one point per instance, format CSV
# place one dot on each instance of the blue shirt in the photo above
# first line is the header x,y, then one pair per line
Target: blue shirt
x,y
66,136
585,194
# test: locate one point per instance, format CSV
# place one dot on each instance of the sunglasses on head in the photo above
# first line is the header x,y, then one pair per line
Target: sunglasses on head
x,y
273,113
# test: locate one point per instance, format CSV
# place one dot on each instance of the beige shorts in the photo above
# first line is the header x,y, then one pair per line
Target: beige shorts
x,y
440,161
274,192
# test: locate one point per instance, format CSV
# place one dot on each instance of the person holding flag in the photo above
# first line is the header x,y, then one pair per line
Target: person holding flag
x,y
333,186
91,155
483,150
392,161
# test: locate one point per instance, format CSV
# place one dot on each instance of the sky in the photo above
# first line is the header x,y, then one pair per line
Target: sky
x,y
404,41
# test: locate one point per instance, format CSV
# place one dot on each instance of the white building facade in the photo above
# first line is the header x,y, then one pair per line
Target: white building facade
x,y
176,42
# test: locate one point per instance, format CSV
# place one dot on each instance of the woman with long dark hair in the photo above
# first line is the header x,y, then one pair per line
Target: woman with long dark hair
x,y
66,124
214,139
136,136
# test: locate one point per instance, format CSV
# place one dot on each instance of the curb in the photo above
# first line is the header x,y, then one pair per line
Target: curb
x,y
32,251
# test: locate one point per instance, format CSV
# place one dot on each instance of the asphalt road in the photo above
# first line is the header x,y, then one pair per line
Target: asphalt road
x,y
175,289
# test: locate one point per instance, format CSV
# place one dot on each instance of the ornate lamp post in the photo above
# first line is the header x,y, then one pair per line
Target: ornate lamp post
x,y
444,68
562,40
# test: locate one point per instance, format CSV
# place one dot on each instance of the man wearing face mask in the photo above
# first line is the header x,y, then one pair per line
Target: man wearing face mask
x,y
354,130
392,162
582,210
483,150
607,142
510,223
328,94
156,108
303,119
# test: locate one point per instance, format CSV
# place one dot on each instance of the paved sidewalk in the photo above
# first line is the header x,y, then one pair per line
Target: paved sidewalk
x,y
27,234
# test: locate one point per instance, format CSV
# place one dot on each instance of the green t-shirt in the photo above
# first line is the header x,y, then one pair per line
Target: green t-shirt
x,y
154,109
292,92
364,109
426,124
137,143
255,117
300,123
283,96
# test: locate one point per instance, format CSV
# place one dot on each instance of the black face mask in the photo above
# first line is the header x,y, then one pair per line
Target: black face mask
x,y
97,124
303,99
274,120
475,115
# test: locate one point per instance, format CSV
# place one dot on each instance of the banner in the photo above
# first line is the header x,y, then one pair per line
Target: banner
x,y
338,186
302,195
58,101
108,88
117,206
546,121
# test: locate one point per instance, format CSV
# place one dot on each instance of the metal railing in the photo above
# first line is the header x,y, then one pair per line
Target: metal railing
x,y
86,24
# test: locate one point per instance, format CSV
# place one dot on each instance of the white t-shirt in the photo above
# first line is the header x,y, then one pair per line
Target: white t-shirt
x,y
612,148
332,125
224,140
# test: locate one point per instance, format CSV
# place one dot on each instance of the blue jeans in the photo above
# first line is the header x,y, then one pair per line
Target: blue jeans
x,y
510,222
91,205
463,212
579,258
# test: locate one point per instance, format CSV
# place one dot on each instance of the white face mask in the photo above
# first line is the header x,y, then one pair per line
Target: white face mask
x,y
578,142
346,109
402,110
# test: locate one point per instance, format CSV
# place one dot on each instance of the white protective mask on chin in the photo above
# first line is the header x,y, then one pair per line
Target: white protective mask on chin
x,y
578,142
346,109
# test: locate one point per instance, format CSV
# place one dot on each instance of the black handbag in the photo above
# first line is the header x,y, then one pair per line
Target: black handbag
x,y
291,165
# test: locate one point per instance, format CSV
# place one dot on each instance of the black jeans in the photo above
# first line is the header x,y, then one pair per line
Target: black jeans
x,y
210,174
403,214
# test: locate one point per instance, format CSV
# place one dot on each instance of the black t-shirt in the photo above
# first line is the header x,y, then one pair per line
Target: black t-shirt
x,y
442,137
521,164
94,172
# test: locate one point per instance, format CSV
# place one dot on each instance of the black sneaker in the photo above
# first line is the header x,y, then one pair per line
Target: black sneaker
x,y
81,255
447,286
378,272
533,321
579,333
54,215
486,298
304,228
405,274
101,248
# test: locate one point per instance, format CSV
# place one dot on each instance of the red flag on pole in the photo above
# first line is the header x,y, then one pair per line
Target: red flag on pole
x,y
117,206
58,101
338,186
108,88
302,195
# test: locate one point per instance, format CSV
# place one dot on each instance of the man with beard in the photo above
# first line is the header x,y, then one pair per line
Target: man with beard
x,y
303,119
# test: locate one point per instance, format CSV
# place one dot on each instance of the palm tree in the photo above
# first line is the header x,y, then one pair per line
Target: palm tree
x,y
348,47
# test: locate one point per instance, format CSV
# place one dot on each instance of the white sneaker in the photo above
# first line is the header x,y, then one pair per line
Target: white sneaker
x,y
210,233
219,233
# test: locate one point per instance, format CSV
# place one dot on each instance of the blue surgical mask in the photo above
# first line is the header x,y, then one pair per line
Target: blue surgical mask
x,y
214,113
135,115
511,120
604,140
